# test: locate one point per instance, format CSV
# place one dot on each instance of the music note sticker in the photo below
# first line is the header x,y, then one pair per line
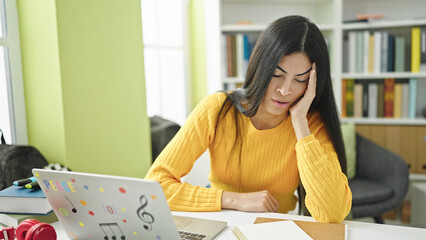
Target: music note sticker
x,y
74,210
145,216
110,230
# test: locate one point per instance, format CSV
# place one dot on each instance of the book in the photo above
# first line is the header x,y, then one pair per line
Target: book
x,y
371,52
377,51
270,230
399,54
358,97
366,51
316,230
21,200
412,100
350,97
372,99
389,97
384,56
423,49
380,100
352,41
415,49
13,220
397,106
391,53
365,98
359,67
405,100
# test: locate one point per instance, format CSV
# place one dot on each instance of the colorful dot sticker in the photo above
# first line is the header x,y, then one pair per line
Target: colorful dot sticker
x,y
83,203
154,197
86,187
123,209
158,237
135,233
63,211
101,190
37,175
122,190
81,224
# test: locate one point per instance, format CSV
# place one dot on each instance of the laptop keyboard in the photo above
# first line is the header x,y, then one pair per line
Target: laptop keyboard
x,y
191,235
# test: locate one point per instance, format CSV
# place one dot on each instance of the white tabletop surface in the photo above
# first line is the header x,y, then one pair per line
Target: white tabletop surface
x,y
356,230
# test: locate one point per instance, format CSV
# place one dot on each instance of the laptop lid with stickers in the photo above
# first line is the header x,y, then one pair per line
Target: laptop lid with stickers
x,y
93,206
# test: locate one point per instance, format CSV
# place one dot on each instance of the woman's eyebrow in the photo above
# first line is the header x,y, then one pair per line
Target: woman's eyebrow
x,y
300,74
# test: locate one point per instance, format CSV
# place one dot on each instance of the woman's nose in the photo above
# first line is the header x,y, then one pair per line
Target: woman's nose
x,y
285,88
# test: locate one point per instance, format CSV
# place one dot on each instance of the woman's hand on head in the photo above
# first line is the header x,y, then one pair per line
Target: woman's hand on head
x,y
300,109
261,201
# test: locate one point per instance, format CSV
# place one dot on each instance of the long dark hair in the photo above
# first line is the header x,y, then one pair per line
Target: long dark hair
x,y
284,36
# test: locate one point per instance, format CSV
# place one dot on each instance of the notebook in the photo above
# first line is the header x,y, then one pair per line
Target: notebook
x,y
271,230
94,206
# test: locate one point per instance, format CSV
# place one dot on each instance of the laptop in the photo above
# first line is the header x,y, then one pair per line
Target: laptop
x,y
94,206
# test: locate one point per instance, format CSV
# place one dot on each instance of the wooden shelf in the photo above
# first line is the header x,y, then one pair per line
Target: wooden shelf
x,y
385,121
383,75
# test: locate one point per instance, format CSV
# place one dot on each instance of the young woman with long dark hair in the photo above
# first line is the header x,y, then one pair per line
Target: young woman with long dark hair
x,y
279,131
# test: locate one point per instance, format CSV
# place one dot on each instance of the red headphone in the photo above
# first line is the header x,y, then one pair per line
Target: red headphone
x,y
29,229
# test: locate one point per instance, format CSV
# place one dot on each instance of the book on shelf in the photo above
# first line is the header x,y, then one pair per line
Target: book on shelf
x,y
359,52
397,106
237,49
405,99
415,49
385,48
13,220
423,49
412,98
349,97
358,97
380,99
391,53
371,50
377,51
389,84
21,200
399,54
372,99
366,52
352,45
365,99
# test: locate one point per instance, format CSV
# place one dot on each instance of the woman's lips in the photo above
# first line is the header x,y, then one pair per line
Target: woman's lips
x,y
281,104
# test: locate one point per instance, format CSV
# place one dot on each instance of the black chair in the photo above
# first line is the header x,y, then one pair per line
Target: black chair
x,y
381,181
162,131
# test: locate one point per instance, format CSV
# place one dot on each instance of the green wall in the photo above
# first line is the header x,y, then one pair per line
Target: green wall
x,y
198,52
84,84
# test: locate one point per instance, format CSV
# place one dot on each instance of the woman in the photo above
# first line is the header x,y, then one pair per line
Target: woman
x,y
281,129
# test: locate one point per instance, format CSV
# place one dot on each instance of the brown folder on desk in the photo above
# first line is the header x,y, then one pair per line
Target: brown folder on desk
x,y
316,230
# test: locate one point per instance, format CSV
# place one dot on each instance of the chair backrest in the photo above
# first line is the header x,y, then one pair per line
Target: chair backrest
x,y
162,131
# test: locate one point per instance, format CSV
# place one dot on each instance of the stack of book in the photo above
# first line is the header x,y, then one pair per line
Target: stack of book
x,y
382,51
19,203
378,98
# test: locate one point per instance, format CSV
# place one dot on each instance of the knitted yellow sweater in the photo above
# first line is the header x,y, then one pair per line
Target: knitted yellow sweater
x,y
271,159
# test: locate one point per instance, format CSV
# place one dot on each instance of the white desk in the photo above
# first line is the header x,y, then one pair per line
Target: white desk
x,y
356,230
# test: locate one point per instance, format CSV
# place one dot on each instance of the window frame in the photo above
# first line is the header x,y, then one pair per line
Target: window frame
x,y
14,77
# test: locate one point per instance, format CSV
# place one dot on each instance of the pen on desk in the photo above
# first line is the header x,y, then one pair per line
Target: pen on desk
x,y
24,181
33,185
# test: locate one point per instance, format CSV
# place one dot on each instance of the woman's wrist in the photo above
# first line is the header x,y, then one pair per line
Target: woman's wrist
x,y
301,128
228,200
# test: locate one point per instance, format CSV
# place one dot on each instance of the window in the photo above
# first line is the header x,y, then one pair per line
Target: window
x,y
12,104
165,25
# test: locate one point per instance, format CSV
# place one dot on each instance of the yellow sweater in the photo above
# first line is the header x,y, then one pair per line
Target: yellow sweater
x,y
271,159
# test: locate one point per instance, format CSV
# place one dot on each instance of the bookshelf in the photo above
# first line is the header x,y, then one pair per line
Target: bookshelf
x,y
329,15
